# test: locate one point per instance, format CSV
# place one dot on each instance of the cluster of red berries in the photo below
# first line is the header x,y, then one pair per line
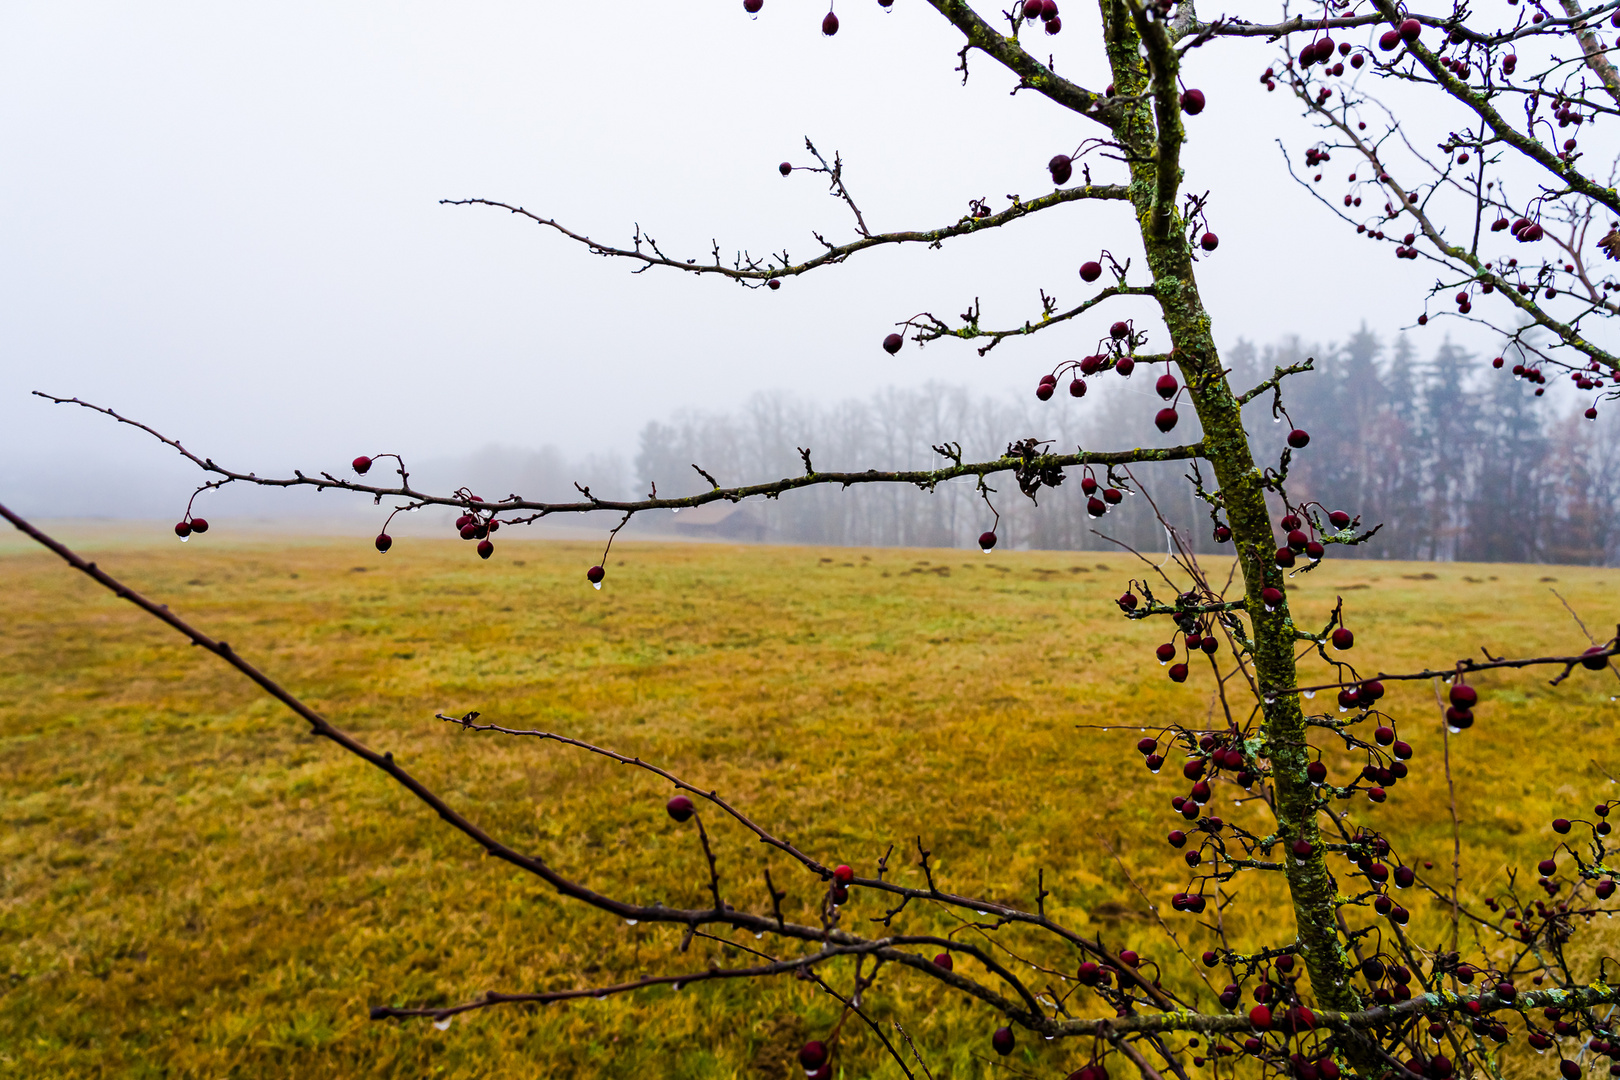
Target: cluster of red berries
x,y
1460,713
184,529
1046,11
816,1059
474,525
1095,506
1525,231
1408,31
1301,534
1321,51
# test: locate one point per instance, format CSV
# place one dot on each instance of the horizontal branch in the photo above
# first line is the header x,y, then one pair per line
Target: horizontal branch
x,y
926,479
751,270
1468,667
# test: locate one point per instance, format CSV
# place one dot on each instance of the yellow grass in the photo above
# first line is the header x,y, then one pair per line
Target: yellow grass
x,y
191,886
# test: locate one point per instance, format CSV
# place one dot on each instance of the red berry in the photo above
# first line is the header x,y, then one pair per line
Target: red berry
x,y
1464,696
1118,331
1166,419
1090,271
1077,388
384,542
1044,391
1209,241
1591,660
361,464
1260,1017
1167,386
892,343
1178,672
843,875
1192,102
182,529
680,808
943,960
785,168
813,1054
1165,653
987,540
753,6
1285,557
1271,597
1389,40
1124,365
1410,29
485,549
1002,1041
1113,496
1061,167
595,575
199,525
1339,519
1461,719
1316,772
829,25
1222,534
1343,638
1299,438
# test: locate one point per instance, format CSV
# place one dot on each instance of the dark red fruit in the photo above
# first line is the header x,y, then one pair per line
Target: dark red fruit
x,y
485,549
1464,696
1297,540
1090,271
1285,557
785,168
1461,719
1410,29
892,343
1591,661
1125,365
1165,653
943,960
1383,735
1061,167
987,540
1077,388
182,529
1127,602
1113,496
1002,1041
1548,867
1299,438
829,25
753,6
1260,1017
1271,597
1176,838
1166,419
680,808
595,575
1389,40
1316,772
1044,391
1339,519
384,542
1209,241
1343,638
1167,386
1303,849
1192,102
1561,825
1178,672
1405,876
199,525
469,531
1222,534
1146,746
843,875
813,1054
361,464
1605,888
1402,750
1118,331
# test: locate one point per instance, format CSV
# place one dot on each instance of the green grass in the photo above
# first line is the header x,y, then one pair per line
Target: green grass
x,y
192,886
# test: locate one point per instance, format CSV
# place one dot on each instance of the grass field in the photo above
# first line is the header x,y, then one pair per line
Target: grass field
x,y
191,886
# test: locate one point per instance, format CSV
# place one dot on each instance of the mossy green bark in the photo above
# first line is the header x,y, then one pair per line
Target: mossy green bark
x,y
1153,143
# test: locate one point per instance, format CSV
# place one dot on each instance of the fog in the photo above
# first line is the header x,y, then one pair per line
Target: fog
x,y
225,220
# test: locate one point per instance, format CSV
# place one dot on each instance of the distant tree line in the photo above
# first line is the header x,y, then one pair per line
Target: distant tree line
x,y
1457,460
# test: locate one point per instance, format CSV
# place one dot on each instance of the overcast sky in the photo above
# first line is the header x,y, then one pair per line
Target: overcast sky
x,y
225,220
